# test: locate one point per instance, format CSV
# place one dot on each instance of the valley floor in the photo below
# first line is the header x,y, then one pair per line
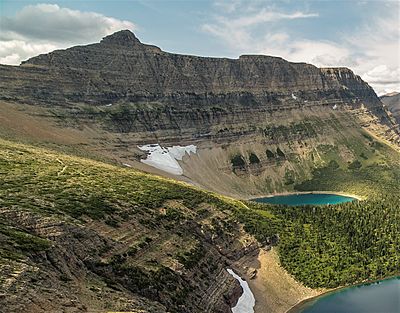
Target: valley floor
x,y
275,290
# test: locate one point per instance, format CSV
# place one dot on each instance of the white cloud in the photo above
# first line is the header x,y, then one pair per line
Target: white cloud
x,y
237,29
379,45
264,16
227,6
42,28
13,51
319,53
373,51
384,79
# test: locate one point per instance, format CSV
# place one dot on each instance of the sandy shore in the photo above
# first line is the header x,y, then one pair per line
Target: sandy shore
x,y
307,192
274,289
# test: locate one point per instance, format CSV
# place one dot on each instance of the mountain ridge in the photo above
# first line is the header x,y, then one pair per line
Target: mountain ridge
x,y
134,74
250,68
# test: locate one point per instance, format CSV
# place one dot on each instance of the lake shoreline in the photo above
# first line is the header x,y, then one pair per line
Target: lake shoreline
x,y
273,280
298,307
288,193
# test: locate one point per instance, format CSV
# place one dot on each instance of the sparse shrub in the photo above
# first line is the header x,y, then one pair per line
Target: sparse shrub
x,y
289,181
280,153
254,159
355,165
174,214
238,161
333,165
362,155
192,257
111,222
368,137
148,239
132,251
142,244
289,177
65,278
270,154
376,145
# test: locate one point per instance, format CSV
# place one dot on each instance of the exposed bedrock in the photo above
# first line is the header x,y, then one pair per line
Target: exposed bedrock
x,y
172,88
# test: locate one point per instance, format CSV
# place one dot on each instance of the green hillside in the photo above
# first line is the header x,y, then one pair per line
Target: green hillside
x,y
96,232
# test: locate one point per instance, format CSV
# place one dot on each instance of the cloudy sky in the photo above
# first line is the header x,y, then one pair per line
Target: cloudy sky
x,y
362,35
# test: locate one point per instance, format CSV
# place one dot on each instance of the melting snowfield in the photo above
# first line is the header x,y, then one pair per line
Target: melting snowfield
x,y
246,301
166,158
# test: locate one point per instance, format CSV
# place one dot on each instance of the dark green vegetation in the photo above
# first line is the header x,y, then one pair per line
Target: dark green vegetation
x,y
342,244
16,242
238,161
270,154
291,131
253,159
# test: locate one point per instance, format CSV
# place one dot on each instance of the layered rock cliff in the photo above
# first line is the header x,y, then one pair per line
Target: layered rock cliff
x,y
120,69
129,93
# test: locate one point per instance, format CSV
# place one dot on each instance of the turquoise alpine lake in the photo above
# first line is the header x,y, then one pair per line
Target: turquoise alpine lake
x,y
379,297
306,199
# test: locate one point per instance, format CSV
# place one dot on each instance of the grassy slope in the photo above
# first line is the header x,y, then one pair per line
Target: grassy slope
x,y
327,246
374,171
145,234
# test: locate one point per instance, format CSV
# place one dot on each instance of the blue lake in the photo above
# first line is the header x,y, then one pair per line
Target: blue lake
x,y
306,198
381,297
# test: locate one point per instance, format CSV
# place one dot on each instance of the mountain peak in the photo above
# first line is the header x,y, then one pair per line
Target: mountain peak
x,y
391,94
121,38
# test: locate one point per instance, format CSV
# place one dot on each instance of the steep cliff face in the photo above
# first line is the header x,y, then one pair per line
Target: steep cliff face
x,y
120,68
129,93
392,102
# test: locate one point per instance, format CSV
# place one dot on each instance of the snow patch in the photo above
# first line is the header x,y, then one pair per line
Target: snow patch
x,y
293,96
246,301
166,158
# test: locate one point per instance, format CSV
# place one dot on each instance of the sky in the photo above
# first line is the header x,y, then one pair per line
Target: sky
x,y
361,35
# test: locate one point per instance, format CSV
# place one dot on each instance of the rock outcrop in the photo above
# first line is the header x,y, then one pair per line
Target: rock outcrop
x,y
392,102
178,93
